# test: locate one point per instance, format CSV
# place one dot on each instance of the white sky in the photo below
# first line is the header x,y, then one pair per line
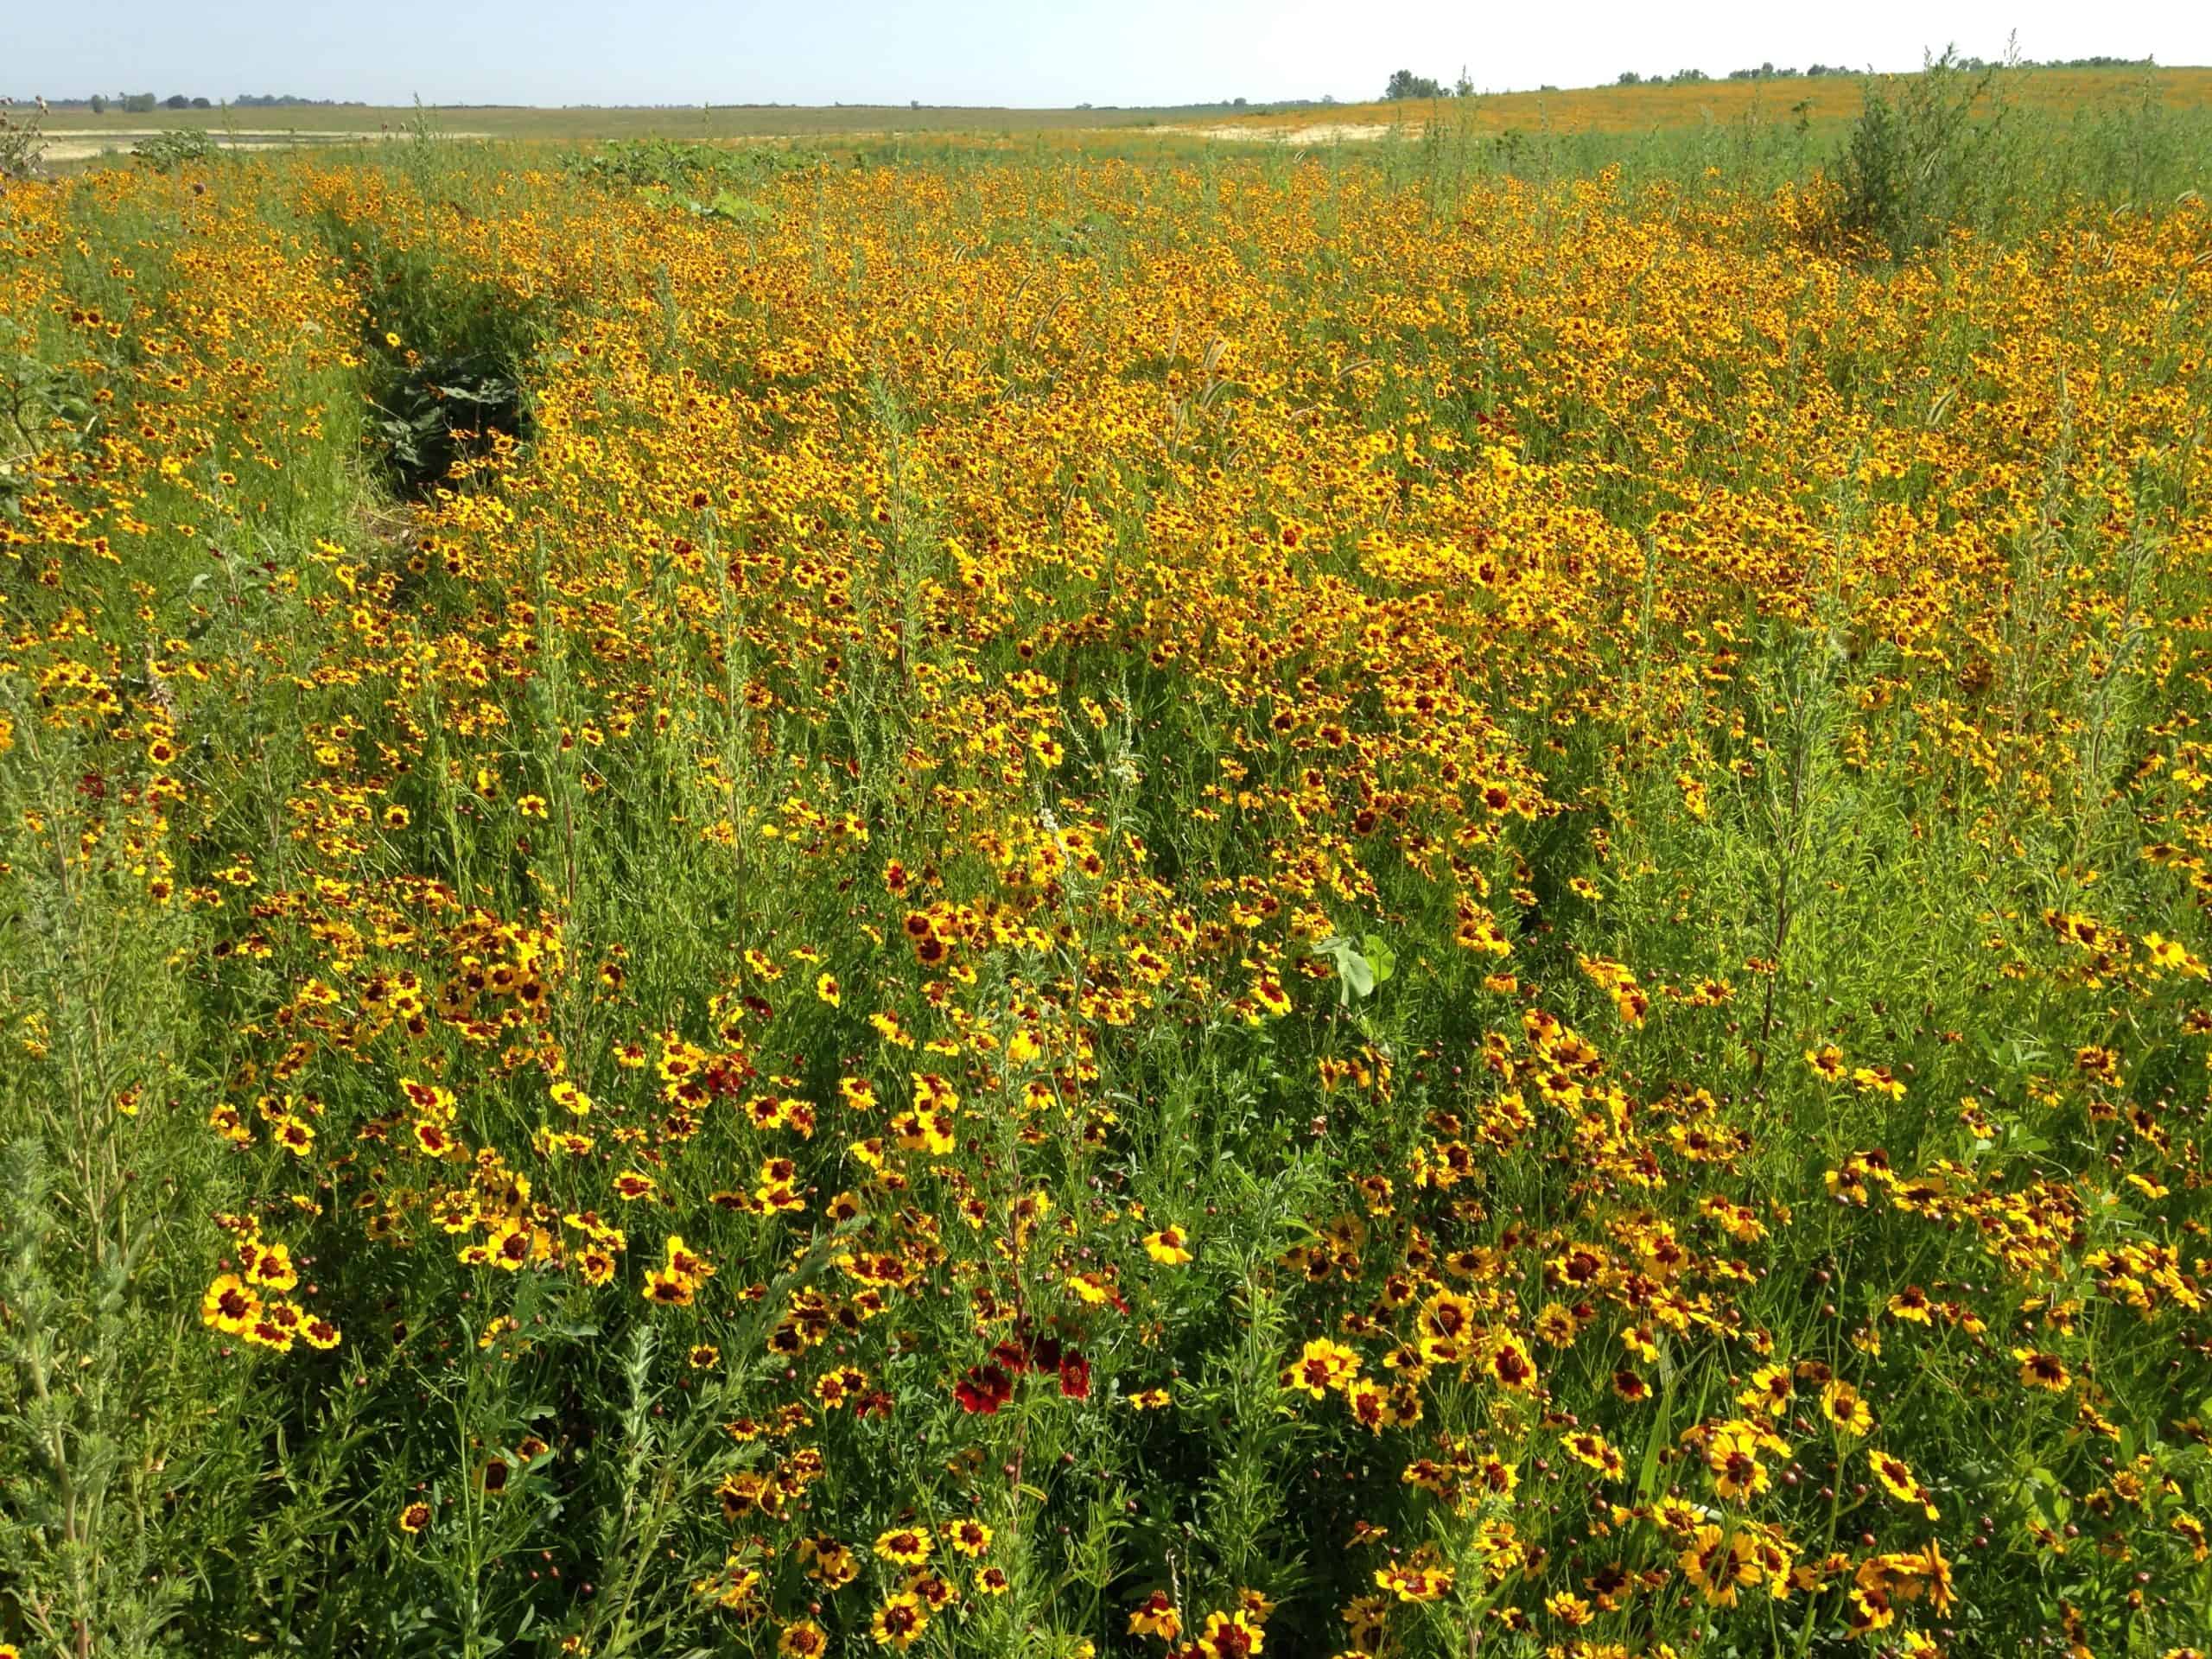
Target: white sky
x,y
998,52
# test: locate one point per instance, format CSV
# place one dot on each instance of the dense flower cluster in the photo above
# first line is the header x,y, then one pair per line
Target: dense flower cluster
x,y
1197,910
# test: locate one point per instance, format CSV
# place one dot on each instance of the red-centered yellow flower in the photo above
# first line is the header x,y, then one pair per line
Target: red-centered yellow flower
x,y
899,1622
908,1546
1715,1564
831,1564
228,1305
1168,1247
967,1537
1732,1461
1322,1366
1770,1390
1156,1616
1900,1482
1231,1635
1509,1364
1411,1582
1590,1448
1842,1406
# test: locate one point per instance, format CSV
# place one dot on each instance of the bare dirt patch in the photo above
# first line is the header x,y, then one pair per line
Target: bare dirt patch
x,y
82,146
1321,132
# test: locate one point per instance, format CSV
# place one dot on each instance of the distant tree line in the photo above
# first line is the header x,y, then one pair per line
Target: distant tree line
x,y
1406,83
1813,72
147,103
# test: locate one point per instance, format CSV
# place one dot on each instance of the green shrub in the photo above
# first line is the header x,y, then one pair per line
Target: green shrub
x,y
1922,161
22,147
166,151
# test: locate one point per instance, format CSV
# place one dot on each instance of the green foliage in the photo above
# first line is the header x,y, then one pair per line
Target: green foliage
x,y
1360,966
448,358
1405,83
23,146
181,147
683,167
1926,158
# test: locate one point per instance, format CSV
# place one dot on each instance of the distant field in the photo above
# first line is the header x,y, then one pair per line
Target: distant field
x,y
579,125
1647,108
1619,110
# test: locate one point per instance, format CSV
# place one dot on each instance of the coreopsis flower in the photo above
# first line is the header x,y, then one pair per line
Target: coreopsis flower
x,y
1898,1480
899,1622
1590,1448
1731,1456
1168,1247
1770,1390
829,1563
906,1546
1323,1365
1414,1582
1508,1363
967,1537
1156,1616
1842,1406
1231,1635
1716,1561
228,1305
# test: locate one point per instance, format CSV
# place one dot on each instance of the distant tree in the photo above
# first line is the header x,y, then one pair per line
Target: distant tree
x,y
1629,78
202,104
177,101
1406,83
96,103
1236,104
138,103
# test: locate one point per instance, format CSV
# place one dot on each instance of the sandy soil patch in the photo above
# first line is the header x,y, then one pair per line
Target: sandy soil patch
x,y
82,146
1321,132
